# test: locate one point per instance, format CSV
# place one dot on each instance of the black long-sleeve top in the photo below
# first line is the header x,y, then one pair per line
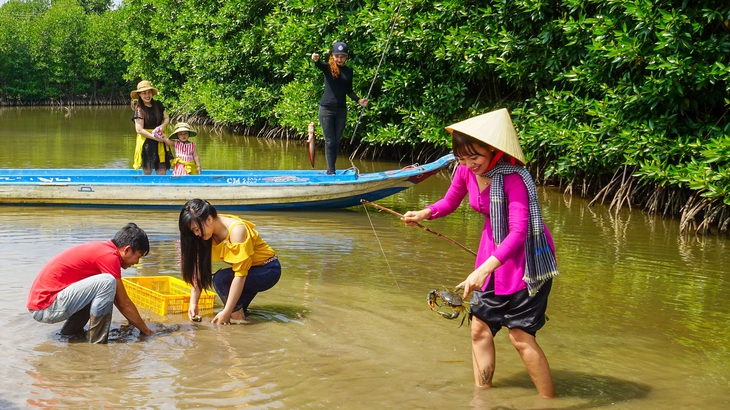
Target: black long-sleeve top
x,y
335,89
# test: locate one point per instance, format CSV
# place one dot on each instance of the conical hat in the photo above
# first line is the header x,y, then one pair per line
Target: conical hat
x,y
494,128
182,126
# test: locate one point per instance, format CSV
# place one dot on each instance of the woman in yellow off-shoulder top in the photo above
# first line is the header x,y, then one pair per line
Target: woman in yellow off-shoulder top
x,y
206,237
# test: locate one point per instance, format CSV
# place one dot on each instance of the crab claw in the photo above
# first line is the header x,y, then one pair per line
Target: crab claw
x,y
453,315
466,317
432,299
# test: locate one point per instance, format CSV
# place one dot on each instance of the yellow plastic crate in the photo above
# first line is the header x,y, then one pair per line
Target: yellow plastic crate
x,y
164,295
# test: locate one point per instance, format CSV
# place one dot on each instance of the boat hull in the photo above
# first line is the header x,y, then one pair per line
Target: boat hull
x,y
227,189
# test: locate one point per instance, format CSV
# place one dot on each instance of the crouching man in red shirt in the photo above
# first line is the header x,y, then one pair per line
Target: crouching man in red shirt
x,y
83,283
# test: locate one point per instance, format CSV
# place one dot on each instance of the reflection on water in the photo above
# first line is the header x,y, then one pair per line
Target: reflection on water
x,y
638,317
103,137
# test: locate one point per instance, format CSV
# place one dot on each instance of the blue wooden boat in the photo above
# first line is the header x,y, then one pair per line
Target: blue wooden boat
x,y
226,189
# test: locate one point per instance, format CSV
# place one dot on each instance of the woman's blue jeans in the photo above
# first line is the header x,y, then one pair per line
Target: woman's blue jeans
x,y
332,120
259,279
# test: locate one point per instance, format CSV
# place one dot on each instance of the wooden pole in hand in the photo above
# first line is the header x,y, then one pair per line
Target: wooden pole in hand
x,y
382,208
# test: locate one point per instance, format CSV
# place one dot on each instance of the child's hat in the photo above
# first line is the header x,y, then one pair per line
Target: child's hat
x,y
143,86
495,129
182,126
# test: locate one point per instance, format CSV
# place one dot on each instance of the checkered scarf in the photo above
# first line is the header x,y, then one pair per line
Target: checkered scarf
x,y
540,265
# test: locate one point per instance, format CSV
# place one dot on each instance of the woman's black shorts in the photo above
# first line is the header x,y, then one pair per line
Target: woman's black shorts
x,y
151,158
515,311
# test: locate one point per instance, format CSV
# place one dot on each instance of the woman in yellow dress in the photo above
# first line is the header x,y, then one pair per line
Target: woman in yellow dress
x,y
205,237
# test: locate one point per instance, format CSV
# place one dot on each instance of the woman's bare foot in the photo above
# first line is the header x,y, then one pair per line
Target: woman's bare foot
x,y
238,315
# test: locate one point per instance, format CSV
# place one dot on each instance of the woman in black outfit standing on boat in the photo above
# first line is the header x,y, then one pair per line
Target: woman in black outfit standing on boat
x,y
150,119
332,106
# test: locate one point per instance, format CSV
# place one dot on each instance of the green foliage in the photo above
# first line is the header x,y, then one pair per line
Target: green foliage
x,y
210,51
639,83
230,45
96,6
103,66
707,169
17,74
296,108
593,85
57,50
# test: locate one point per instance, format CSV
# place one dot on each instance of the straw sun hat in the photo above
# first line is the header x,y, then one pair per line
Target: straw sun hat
x,y
143,86
182,126
495,129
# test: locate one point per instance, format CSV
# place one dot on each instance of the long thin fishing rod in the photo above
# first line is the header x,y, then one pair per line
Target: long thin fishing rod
x,y
382,250
425,228
372,83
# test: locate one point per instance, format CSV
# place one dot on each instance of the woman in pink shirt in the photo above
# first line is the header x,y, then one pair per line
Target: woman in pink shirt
x,y
515,262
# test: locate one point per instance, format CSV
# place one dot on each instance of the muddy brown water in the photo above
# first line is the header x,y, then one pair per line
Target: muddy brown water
x,y
638,317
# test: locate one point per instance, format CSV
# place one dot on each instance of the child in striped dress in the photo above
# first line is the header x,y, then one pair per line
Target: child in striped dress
x,y
186,160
